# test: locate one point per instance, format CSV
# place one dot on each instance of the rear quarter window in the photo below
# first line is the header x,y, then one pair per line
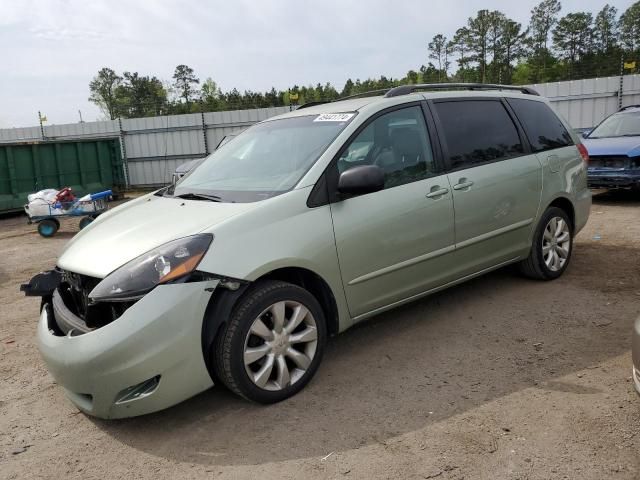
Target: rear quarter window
x,y
542,126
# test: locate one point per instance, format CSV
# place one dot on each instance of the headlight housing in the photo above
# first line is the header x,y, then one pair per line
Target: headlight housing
x,y
163,264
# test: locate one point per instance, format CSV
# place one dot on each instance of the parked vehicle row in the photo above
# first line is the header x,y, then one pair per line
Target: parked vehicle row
x,y
302,226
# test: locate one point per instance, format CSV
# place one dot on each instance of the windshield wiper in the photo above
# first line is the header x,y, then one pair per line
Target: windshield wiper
x,y
199,196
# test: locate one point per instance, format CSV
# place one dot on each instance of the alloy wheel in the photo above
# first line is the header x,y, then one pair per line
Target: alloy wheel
x,y
556,243
280,345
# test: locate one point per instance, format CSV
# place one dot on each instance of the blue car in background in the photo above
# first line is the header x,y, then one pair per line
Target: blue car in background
x,y
614,150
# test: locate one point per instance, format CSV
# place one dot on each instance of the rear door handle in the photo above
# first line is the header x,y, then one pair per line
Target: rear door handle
x,y
462,185
437,193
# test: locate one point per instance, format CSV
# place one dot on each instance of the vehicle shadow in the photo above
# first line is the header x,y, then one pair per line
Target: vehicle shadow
x,y
414,366
617,197
66,234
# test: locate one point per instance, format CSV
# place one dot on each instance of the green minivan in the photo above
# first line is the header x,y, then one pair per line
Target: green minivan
x,y
302,226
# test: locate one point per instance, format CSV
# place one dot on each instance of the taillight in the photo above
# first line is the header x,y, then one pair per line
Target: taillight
x,y
583,153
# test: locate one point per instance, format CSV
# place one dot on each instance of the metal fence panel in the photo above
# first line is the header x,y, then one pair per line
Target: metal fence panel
x,y
154,146
175,135
160,144
153,172
242,117
107,128
8,135
585,103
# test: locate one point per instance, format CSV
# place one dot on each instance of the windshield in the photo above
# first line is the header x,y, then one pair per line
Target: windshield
x,y
618,125
265,160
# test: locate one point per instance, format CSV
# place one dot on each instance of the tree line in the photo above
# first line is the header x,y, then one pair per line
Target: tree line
x,y
489,48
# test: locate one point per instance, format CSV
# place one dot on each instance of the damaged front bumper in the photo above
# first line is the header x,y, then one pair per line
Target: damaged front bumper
x,y
148,359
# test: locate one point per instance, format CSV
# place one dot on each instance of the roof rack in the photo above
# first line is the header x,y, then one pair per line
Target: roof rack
x,y
629,106
407,89
349,97
364,94
312,104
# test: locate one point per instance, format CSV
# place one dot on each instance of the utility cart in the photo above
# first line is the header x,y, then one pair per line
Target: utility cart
x,y
46,215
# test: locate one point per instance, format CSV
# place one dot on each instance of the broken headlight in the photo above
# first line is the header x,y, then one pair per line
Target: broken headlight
x,y
163,264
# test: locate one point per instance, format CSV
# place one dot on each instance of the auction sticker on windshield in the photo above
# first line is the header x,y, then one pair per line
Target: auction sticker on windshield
x,y
334,117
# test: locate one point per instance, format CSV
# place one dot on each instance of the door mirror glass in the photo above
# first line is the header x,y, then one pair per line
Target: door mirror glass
x,y
361,179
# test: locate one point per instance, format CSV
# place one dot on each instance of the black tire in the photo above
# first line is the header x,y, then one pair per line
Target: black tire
x,y
534,266
85,221
48,227
228,354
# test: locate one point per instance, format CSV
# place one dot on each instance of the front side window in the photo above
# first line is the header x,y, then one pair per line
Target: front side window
x,y
542,126
265,160
626,124
477,131
398,143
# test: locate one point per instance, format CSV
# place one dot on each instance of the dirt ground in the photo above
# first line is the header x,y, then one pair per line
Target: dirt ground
x,y
501,377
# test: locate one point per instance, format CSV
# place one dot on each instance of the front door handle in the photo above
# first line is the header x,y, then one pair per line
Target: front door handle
x,y
462,185
437,193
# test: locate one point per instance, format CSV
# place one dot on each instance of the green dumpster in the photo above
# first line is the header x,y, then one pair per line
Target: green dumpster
x,y
87,166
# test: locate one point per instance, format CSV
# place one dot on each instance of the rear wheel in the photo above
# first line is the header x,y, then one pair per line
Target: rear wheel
x,y
85,221
552,245
48,227
273,343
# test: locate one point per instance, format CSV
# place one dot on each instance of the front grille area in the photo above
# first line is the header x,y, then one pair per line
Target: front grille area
x,y
606,161
74,291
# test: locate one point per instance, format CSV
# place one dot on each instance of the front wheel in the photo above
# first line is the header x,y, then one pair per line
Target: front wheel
x,y
273,343
551,248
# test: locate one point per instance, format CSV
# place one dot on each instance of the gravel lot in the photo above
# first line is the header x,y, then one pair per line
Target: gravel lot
x,y
501,377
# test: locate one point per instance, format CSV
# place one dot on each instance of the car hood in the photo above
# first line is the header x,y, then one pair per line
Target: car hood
x,y
136,227
613,146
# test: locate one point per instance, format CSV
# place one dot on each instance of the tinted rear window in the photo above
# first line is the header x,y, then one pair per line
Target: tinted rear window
x,y
542,126
478,131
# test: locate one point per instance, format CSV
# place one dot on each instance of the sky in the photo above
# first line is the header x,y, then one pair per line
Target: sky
x,y
51,49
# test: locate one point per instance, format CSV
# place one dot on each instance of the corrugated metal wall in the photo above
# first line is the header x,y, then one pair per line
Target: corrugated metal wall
x,y
153,147
585,103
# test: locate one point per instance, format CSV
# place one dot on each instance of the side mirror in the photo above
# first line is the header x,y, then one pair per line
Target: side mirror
x,y
360,180
586,133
